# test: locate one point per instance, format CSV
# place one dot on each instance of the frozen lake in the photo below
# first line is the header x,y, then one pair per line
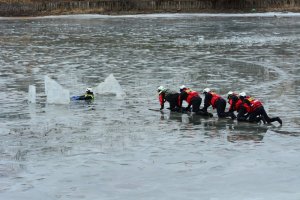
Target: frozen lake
x,y
117,148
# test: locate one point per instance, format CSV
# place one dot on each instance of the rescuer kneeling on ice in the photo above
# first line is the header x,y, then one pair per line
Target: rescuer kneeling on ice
x,y
191,97
216,101
254,110
169,96
234,102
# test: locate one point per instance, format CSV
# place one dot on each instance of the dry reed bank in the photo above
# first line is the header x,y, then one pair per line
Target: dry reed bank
x,y
54,7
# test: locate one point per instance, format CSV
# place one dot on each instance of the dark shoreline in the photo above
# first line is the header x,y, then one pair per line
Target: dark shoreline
x,y
116,13
129,7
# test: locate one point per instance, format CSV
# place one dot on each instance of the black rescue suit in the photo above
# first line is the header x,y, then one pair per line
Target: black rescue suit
x,y
192,98
170,96
87,96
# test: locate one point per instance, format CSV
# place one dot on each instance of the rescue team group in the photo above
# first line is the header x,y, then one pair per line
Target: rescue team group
x,y
247,108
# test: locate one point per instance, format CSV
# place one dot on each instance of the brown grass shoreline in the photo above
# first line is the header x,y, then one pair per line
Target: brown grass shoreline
x,y
137,12
31,8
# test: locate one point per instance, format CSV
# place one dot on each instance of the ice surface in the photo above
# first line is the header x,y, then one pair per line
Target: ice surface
x,y
118,149
110,86
55,93
31,94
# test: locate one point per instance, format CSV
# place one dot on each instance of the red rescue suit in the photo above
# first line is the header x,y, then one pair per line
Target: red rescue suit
x,y
210,99
216,101
192,98
253,109
234,105
251,104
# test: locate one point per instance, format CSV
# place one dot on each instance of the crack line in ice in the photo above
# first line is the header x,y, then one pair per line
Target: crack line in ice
x,y
282,75
246,41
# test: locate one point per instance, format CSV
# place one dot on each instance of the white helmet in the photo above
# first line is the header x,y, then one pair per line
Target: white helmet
x,y
206,90
89,90
182,87
229,94
160,89
242,94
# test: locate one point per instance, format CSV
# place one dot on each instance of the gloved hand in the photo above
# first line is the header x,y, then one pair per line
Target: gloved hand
x,y
188,109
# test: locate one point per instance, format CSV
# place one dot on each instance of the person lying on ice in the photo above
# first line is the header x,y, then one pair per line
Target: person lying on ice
x,y
234,102
216,101
170,96
191,97
89,95
252,110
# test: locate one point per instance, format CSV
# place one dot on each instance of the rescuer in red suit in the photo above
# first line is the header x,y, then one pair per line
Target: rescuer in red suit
x,y
191,97
234,102
253,110
216,101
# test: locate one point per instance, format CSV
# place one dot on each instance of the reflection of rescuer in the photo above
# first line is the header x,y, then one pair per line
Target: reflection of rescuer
x,y
216,101
234,102
89,95
191,97
253,109
170,96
